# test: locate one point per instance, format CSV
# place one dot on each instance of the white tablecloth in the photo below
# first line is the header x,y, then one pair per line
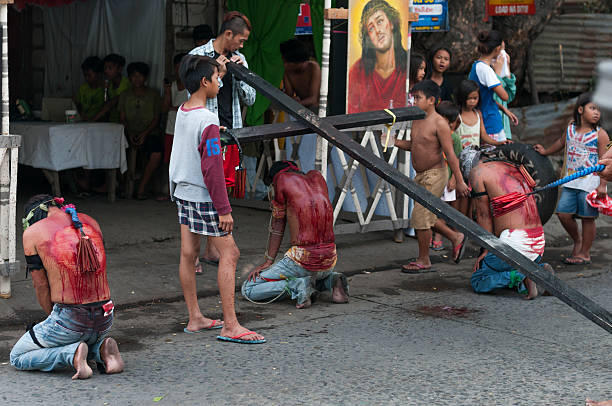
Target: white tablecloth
x,y
57,146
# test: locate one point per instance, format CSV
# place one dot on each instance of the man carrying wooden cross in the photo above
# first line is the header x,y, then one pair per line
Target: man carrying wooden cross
x,y
302,200
521,229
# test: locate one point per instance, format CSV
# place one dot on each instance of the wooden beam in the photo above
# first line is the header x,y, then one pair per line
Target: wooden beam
x,y
335,14
341,122
380,167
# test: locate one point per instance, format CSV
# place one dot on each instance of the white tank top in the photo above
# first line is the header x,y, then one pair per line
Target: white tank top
x,y
470,134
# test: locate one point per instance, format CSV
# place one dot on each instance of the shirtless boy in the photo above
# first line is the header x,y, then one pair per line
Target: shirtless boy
x,y
80,314
431,143
302,201
521,228
302,79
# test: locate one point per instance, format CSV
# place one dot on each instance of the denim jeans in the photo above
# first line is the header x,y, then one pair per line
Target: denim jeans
x,y
296,281
60,334
495,273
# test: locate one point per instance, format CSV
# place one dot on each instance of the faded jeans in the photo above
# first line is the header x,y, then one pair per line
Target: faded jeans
x,y
296,281
60,334
494,273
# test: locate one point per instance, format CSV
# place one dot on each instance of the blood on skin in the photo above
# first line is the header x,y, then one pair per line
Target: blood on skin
x,y
87,286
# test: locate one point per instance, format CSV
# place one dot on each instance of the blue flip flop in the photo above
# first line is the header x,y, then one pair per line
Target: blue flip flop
x,y
236,339
213,326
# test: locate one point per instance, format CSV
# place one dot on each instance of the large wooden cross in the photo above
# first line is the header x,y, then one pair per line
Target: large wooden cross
x,y
325,128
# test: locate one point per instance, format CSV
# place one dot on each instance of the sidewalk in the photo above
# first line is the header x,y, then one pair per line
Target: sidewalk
x,y
142,245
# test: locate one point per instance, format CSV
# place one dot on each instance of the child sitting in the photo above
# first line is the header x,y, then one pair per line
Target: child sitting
x,y
114,84
139,108
90,96
585,143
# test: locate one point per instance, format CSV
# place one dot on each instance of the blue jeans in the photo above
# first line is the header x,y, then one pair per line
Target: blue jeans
x,y
60,334
296,281
495,273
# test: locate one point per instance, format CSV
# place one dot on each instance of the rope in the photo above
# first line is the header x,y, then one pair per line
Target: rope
x,y
389,128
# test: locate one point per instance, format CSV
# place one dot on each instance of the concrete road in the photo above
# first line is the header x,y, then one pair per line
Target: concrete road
x,y
402,340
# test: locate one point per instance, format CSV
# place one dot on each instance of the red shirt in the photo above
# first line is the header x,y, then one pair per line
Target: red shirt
x,y
372,92
231,158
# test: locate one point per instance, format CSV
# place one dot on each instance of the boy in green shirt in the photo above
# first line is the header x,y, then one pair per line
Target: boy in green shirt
x,y
90,96
139,108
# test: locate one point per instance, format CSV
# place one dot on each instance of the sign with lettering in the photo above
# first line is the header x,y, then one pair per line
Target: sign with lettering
x,y
433,15
510,7
304,23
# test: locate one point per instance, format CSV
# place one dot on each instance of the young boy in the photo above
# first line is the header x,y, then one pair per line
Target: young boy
x,y
139,108
302,78
197,185
451,113
114,84
90,96
431,142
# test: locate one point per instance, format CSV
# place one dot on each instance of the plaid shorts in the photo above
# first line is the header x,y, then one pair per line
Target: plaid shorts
x,y
201,218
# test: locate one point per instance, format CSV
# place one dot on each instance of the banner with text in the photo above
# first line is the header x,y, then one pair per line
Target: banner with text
x,y
511,7
433,15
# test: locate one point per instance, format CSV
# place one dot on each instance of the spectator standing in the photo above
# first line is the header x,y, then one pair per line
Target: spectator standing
x,y
234,32
490,45
439,62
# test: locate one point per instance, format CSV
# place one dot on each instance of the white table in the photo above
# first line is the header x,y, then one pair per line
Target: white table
x,y
54,147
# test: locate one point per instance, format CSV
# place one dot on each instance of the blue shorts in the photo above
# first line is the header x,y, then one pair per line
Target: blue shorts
x,y
573,201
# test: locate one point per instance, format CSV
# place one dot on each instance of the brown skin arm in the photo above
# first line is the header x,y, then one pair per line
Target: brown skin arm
x,y
106,108
501,92
483,211
43,292
555,147
315,87
275,238
287,86
39,276
602,141
606,159
446,141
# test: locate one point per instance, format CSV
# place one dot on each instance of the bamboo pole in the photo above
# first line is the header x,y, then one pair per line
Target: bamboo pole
x,y
322,143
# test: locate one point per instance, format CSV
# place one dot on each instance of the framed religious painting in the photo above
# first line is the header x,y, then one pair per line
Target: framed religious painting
x,y
377,56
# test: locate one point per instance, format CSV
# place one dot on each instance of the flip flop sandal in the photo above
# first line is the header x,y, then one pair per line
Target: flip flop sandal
x,y
213,326
437,245
420,268
576,261
236,339
461,248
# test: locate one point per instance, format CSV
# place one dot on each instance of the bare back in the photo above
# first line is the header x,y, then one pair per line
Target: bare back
x,y
309,211
499,179
55,240
305,82
426,148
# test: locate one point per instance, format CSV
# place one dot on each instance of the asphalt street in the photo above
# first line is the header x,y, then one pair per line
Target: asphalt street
x,y
402,340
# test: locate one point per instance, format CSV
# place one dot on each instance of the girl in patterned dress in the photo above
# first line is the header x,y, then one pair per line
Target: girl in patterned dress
x,y
585,143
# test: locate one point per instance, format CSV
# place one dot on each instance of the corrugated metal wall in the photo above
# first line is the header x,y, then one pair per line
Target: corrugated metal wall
x,y
568,50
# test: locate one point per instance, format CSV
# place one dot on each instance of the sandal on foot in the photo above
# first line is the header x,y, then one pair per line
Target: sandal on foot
x,y
437,245
576,261
459,250
416,267
237,339
216,324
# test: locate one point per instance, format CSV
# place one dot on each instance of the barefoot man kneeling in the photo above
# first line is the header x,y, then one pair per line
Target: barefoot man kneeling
x,y
75,297
303,201
521,228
